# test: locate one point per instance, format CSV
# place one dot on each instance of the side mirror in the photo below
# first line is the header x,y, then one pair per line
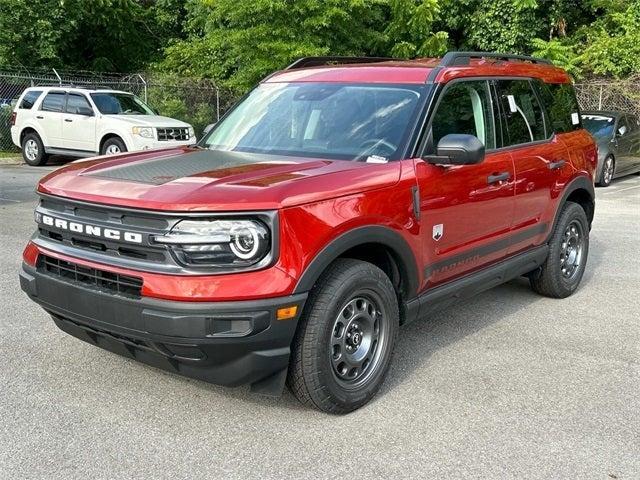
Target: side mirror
x,y
86,111
622,131
458,149
208,128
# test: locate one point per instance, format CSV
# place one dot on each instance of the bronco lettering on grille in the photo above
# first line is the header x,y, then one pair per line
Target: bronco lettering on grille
x,y
91,230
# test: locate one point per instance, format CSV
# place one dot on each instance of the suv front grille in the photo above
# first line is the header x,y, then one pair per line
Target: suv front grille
x,y
114,283
173,134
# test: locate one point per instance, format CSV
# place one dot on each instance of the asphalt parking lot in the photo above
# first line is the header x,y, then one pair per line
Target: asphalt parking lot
x,y
506,385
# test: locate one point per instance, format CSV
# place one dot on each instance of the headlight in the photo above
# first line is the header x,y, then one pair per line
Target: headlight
x,y
145,132
218,243
192,133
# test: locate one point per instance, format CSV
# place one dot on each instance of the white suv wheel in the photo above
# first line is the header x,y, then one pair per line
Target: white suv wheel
x,y
31,149
112,149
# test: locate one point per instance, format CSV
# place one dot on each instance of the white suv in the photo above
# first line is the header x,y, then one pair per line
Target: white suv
x,y
83,122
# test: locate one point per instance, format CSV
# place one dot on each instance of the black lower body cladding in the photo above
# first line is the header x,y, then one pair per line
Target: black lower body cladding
x,y
226,343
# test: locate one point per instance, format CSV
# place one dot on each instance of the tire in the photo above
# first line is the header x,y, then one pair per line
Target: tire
x,y
33,150
608,170
338,331
562,272
113,146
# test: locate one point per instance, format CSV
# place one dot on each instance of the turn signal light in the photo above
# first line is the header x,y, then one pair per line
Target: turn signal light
x,y
287,312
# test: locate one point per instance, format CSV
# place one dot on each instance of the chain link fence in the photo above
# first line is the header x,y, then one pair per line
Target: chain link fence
x,y
623,95
200,102
195,101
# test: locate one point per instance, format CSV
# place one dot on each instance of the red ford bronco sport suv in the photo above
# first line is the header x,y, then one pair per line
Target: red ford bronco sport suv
x,y
341,198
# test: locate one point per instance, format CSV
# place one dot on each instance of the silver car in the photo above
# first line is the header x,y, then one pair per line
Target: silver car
x,y
618,137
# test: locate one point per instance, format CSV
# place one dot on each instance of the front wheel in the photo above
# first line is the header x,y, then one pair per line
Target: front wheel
x,y
113,146
562,272
343,347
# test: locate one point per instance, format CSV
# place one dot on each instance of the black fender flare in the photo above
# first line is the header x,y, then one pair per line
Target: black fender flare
x,y
579,183
376,234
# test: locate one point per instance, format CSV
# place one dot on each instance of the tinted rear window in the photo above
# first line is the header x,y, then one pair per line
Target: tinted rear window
x,y
53,102
561,105
29,99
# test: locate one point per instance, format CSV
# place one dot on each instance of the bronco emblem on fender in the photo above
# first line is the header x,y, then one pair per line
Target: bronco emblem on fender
x,y
438,231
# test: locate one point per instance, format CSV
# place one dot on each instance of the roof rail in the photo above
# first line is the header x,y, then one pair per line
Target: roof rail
x,y
454,59
319,61
55,84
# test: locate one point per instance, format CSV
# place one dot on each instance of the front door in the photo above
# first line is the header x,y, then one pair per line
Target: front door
x,y
467,210
79,124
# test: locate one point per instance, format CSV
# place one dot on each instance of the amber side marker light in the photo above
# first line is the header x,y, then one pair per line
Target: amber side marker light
x,y
287,312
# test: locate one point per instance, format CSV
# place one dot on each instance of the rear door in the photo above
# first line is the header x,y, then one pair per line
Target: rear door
x,y
539,158
49,118
79,124
467,210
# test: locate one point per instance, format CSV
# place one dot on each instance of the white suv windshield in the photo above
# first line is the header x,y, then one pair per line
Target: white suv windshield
x,y
110,103
338,121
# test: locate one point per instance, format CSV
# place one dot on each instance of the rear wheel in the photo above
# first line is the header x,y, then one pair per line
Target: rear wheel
x,y
562,272
113,146
33,150
343,347
608,169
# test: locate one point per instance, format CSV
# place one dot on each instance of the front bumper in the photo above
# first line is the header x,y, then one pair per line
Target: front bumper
x,y
140,143
226,343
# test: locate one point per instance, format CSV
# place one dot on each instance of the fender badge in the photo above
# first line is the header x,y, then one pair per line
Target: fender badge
x,y
438,232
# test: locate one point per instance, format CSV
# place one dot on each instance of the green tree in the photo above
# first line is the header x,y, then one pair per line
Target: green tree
x,y
120,35
237,42
410,29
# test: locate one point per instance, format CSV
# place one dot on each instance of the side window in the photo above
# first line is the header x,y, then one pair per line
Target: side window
x,y
623,123
76,103
561,105
53,102
29,99
524,118
465,108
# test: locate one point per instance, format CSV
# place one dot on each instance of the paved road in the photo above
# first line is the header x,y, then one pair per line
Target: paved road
x,y
507,385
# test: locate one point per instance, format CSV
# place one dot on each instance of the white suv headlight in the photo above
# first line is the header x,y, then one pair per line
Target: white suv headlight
x,y
145,132
192,133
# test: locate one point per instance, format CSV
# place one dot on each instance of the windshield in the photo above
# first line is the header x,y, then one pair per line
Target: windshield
x,y
598,125
336,121
110,103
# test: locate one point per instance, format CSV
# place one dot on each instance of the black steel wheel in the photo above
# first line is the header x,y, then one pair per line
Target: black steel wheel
x,y
345,340
562,272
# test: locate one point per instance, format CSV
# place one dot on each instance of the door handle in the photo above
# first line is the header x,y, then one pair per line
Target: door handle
x,y
498,177
40,117
68,120
557,165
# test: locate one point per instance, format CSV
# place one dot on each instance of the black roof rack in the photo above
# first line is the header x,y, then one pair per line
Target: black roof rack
x,y
453,59
305,62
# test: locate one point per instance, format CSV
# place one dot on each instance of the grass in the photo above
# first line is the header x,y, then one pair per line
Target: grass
x,y
10,157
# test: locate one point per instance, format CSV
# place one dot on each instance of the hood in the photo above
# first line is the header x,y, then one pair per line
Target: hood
x,y
192,179
148,120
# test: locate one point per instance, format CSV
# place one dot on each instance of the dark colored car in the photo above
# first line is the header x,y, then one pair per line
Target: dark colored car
x,y
618,137
338,200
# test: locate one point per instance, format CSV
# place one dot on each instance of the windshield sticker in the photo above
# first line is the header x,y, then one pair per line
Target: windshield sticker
x,y
575,119
377,159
